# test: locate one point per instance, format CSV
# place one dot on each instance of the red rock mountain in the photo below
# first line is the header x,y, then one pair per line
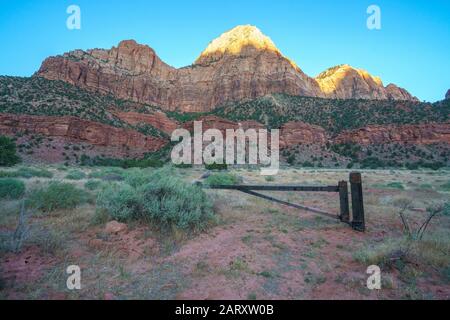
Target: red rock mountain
x,y
112,141
424,134
346,82
241,64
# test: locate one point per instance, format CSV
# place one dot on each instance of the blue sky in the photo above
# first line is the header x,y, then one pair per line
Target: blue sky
x,y
412,49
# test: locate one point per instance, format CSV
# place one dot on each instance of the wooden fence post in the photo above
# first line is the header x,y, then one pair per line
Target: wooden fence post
x,y
343,199
358,222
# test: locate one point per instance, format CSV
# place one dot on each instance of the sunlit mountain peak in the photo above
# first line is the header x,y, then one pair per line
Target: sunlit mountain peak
x,y
235,40
332,77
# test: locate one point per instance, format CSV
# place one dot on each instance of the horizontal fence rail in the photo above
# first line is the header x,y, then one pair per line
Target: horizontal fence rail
x,y
277,188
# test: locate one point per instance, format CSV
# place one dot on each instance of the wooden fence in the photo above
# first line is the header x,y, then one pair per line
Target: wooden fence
x,y
357,222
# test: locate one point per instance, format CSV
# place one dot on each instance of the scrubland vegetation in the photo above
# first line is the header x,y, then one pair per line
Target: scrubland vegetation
x,y
334,115
187,240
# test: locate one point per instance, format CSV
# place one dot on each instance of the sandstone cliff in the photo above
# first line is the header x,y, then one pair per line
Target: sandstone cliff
x,y
346,82
296,132
416,134
157,119
126,142
241,64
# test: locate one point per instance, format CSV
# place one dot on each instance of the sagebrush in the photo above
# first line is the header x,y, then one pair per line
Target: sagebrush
x,y
56,195
163,200
11,188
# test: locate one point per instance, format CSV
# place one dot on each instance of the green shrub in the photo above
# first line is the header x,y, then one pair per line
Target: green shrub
x,y
165,201
137,177
270,178
170,201
123,163
27,173
216,166
425,186
99,174
412,166
426,165
134,176
347,150
86,160
142,163
183,165
75,175
445,187
222,179
57,195
11,188
433,165
291,159
395,185
379,254
8,174
92,184
372,163
8,155
308,164
121,201
33,172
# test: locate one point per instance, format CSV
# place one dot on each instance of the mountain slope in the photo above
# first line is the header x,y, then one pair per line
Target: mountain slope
x,y
41,97
241,64
53,121
335,115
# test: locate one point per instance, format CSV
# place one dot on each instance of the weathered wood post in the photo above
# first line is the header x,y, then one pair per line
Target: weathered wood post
x,y
343,199
358,222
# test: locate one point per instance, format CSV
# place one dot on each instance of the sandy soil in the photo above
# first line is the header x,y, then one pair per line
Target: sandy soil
x,y
258,250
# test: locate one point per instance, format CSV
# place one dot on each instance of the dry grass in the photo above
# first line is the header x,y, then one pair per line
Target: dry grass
x,y
269,248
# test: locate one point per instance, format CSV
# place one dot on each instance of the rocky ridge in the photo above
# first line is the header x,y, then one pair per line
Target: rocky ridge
x,y
241,64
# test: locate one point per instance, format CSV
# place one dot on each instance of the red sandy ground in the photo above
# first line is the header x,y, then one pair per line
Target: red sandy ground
x,y
309,263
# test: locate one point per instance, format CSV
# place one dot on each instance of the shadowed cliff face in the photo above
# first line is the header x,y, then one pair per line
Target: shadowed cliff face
x,y
239,65
78,130
429,133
